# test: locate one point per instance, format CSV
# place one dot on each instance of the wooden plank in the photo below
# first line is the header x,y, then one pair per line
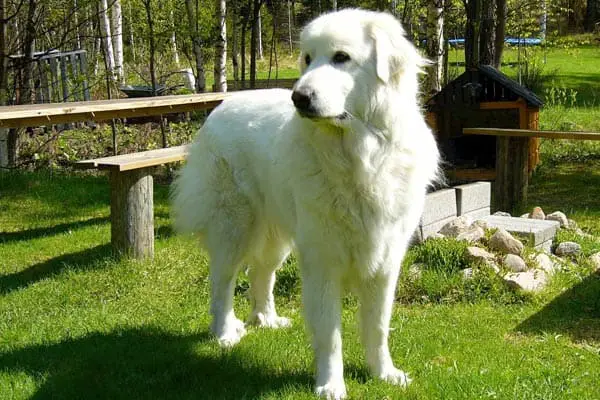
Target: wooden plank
x,y
499,105
101,110
512,177
532,133
144,159
472,174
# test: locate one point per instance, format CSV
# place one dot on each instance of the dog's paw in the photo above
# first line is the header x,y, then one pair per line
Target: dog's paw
x,y
332,391
231,333
262,320
395,377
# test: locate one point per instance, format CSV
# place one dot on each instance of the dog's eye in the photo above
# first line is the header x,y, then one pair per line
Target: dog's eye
x,y
307,59
340,57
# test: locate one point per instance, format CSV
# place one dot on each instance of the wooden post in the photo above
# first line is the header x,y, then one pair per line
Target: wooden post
x,y
64,79
83,71
54,79
43,65
512,175
132,212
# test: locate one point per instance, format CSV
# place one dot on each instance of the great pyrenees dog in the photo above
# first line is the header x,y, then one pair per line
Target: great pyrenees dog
x,y
335,170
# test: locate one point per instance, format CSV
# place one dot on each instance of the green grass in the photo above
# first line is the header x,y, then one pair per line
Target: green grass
x,y
79,323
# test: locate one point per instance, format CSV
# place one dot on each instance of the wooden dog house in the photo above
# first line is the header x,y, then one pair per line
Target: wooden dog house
x,y
480,98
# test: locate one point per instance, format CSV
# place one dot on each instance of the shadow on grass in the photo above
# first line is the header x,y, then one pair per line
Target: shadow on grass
x,y
6,237
85,259
147,364
575,313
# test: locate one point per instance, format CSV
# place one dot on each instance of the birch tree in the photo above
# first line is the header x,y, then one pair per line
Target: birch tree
x,y
435,45
117,38
196,46
221,47
106,37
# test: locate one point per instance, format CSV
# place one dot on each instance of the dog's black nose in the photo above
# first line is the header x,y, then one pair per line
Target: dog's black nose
x,y
302,99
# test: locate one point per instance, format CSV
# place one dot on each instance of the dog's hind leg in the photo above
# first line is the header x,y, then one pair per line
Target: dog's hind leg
x,y
376,296
262,280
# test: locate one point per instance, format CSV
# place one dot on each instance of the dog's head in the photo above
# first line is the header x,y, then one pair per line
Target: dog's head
x,y
349,61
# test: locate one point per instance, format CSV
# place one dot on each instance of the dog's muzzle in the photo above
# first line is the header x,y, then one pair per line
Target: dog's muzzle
x,y
303,101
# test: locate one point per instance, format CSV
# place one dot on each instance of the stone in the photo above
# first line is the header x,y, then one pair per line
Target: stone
x,y
504,242
526,215
467,273
537,213
474,253
595,261
560,217
572,224
531,281
514,263
456,227
480,223
502,214
536,233
472,235
437,235
545,263
567,249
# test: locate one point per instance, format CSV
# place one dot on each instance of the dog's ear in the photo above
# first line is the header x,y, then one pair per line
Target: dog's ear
x,y
394,54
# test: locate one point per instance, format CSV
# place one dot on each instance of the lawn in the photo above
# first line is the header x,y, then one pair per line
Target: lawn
x,y
78,322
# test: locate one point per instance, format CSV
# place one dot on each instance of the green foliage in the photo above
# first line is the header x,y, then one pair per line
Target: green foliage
x,y
441,278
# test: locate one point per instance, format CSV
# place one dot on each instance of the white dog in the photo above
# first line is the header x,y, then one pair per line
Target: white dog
x,y
336,170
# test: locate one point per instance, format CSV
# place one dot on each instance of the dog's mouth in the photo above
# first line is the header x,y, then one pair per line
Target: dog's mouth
x,y
312,114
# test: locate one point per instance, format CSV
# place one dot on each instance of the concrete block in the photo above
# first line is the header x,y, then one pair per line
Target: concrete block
x,y
535,232
439,205
478,214
473,196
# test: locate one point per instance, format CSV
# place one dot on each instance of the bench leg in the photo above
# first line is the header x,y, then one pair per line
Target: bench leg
x,y
132,212
512,172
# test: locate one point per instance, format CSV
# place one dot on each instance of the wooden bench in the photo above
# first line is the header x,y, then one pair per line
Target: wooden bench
x,y
512,160
131,196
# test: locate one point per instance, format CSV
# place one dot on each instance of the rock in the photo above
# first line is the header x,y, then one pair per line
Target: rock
x,y
567,249
467,273
581,233
480,223
526,215
457,226
515,263
595,260
477,254
560,217
436,235
472,235
473,253
502,214
415,271
545,263
531,281
504,242
537,213
572,224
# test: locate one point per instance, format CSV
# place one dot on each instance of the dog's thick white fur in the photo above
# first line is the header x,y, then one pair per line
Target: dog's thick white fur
x,y
339,174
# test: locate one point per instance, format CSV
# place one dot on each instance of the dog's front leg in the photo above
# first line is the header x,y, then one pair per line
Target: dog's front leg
x,y
376,295
322,306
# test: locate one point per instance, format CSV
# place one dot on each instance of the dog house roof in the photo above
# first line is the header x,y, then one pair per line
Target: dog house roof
x,y
483,84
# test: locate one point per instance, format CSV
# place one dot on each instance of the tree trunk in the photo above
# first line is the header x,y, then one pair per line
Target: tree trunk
x,y
235,54
151,43
117,38
435,45
259,47
174,40
245,18
487,42
254,41
221,48
106,36
131,37
3,80
334,5
472,34
591,15
289,7
197,46
501,10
